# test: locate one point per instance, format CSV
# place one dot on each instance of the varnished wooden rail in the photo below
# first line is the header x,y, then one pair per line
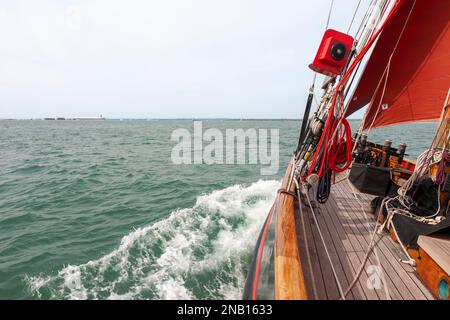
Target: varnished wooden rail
x,y
289,278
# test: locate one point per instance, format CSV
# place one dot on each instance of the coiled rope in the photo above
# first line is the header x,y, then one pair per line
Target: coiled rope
x,y
327,141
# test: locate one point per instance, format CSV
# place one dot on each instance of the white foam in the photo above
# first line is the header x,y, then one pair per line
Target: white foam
x,y
210,238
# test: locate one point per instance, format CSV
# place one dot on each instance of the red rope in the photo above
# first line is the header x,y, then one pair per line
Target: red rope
x,y
339,155
332,150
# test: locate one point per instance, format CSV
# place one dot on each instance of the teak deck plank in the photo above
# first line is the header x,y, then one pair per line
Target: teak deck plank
x,y
313,271
389,251
388,248
330,283
404,280
352,248
339,213
347,230
396,287
346,277
349,258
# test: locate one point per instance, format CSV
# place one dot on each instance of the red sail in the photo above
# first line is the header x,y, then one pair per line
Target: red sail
x,y
418,77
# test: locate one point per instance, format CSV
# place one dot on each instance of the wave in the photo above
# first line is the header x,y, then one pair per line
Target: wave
x,y
195,253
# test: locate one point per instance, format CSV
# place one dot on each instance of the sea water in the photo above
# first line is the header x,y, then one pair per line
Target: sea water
x,y
97,209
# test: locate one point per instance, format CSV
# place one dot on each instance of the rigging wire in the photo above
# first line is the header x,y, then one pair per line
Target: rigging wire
x,y
388,67
330,10
338,283
329,14
329,125
371,247
364,21
311,96
336,130
356,42
308,254
354,15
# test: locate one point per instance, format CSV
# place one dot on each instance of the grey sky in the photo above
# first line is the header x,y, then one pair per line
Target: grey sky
x,y
161,59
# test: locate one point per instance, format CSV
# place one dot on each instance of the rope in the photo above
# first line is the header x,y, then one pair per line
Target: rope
x,y
386,72
324,187
311,90
292,194
373,17
308,254
336,278
365,19
329,123
388,223
392,210
354,15
336,156
440,176
388,69
329,14
370,247
360,129
425,159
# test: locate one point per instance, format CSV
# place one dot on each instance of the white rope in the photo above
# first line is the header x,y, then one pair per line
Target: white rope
x,y
308,255
388,224
424,161
386,71
370,31
371,245
410,260
393,210
430,219
360,131
363,24
388,67
361,267
374,17
338,283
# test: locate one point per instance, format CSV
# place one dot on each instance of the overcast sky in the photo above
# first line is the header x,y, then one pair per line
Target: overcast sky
x,y
161,59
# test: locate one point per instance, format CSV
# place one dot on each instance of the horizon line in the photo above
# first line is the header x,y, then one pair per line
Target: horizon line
x,y
121,119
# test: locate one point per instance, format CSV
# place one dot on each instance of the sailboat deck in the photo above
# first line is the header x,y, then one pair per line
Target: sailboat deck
x,y
346,224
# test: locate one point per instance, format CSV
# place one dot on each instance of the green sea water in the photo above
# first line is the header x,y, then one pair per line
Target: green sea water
x,y
97,210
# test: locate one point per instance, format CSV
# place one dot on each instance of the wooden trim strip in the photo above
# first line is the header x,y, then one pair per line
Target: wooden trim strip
x,y
289,277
